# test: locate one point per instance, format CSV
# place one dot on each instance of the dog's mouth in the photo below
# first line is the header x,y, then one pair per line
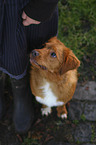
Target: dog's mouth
x,y
41,66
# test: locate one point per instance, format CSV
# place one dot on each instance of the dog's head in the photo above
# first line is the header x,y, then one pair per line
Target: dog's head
x,y
54,57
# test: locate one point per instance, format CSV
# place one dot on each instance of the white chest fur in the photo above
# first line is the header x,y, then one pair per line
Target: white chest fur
x,y
49,99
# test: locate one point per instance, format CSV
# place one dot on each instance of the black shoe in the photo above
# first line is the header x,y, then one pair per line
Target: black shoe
x,y
23,109
2,79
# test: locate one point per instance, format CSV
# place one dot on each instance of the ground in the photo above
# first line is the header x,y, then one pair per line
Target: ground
x,y
49,130
77,30
42,131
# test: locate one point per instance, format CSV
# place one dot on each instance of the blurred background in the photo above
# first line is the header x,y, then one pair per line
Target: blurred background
x,y
77,30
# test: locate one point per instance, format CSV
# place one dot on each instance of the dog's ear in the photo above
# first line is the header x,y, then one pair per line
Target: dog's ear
x,y
53,39
70,62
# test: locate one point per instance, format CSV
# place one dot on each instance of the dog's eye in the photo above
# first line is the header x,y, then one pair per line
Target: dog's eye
x,y
53,54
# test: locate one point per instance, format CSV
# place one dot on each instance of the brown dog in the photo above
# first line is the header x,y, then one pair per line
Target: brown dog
x,y
53,76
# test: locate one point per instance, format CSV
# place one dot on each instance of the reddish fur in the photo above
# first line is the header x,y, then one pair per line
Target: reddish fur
x,y
61,72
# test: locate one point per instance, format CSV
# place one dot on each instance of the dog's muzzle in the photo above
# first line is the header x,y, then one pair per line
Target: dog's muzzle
x,y
32,59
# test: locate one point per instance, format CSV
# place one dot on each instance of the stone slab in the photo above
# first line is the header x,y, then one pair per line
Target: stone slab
x,y
75,110
90,111
88,144
86,92
83,132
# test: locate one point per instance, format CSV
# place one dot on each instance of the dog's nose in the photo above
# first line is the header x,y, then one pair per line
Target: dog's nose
x,y
35,53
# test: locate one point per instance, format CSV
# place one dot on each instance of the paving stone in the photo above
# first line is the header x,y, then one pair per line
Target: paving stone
x,y
83,132
90,111
88,144
86,92
75,110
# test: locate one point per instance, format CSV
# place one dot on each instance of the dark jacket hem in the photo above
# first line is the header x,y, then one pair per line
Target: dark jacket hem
x,y
17,77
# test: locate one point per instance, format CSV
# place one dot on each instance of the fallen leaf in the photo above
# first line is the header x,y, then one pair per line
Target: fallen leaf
x,y
19,137
87,88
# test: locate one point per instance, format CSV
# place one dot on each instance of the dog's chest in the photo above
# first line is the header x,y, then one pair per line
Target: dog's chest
x,y
49,99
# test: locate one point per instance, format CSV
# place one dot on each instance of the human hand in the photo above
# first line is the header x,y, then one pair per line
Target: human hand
x,y
27,20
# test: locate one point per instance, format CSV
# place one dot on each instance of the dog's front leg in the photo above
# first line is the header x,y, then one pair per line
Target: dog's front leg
x,y
62,112
45,110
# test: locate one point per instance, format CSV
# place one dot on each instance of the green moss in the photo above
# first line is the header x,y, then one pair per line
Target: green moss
x,y
30,141
83,118
76,122
93,135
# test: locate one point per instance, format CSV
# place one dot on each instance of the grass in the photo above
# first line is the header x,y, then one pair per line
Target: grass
x,y
83,118
77,29
77,26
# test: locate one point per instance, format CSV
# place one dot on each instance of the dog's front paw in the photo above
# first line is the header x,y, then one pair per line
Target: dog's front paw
x,y
46,111
63,116
62,112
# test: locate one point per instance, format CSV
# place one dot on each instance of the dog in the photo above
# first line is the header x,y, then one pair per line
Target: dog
x,y
53,76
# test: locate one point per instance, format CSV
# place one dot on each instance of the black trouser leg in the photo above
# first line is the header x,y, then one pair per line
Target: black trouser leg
x,y
23,108
2,79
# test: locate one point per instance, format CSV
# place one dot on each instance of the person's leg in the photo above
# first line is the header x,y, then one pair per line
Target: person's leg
x,y
23,109
2,79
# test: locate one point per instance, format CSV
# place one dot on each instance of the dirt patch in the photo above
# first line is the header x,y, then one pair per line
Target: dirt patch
x,y
42,131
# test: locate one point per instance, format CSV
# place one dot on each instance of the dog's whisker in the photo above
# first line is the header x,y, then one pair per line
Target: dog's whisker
x,y
41,66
